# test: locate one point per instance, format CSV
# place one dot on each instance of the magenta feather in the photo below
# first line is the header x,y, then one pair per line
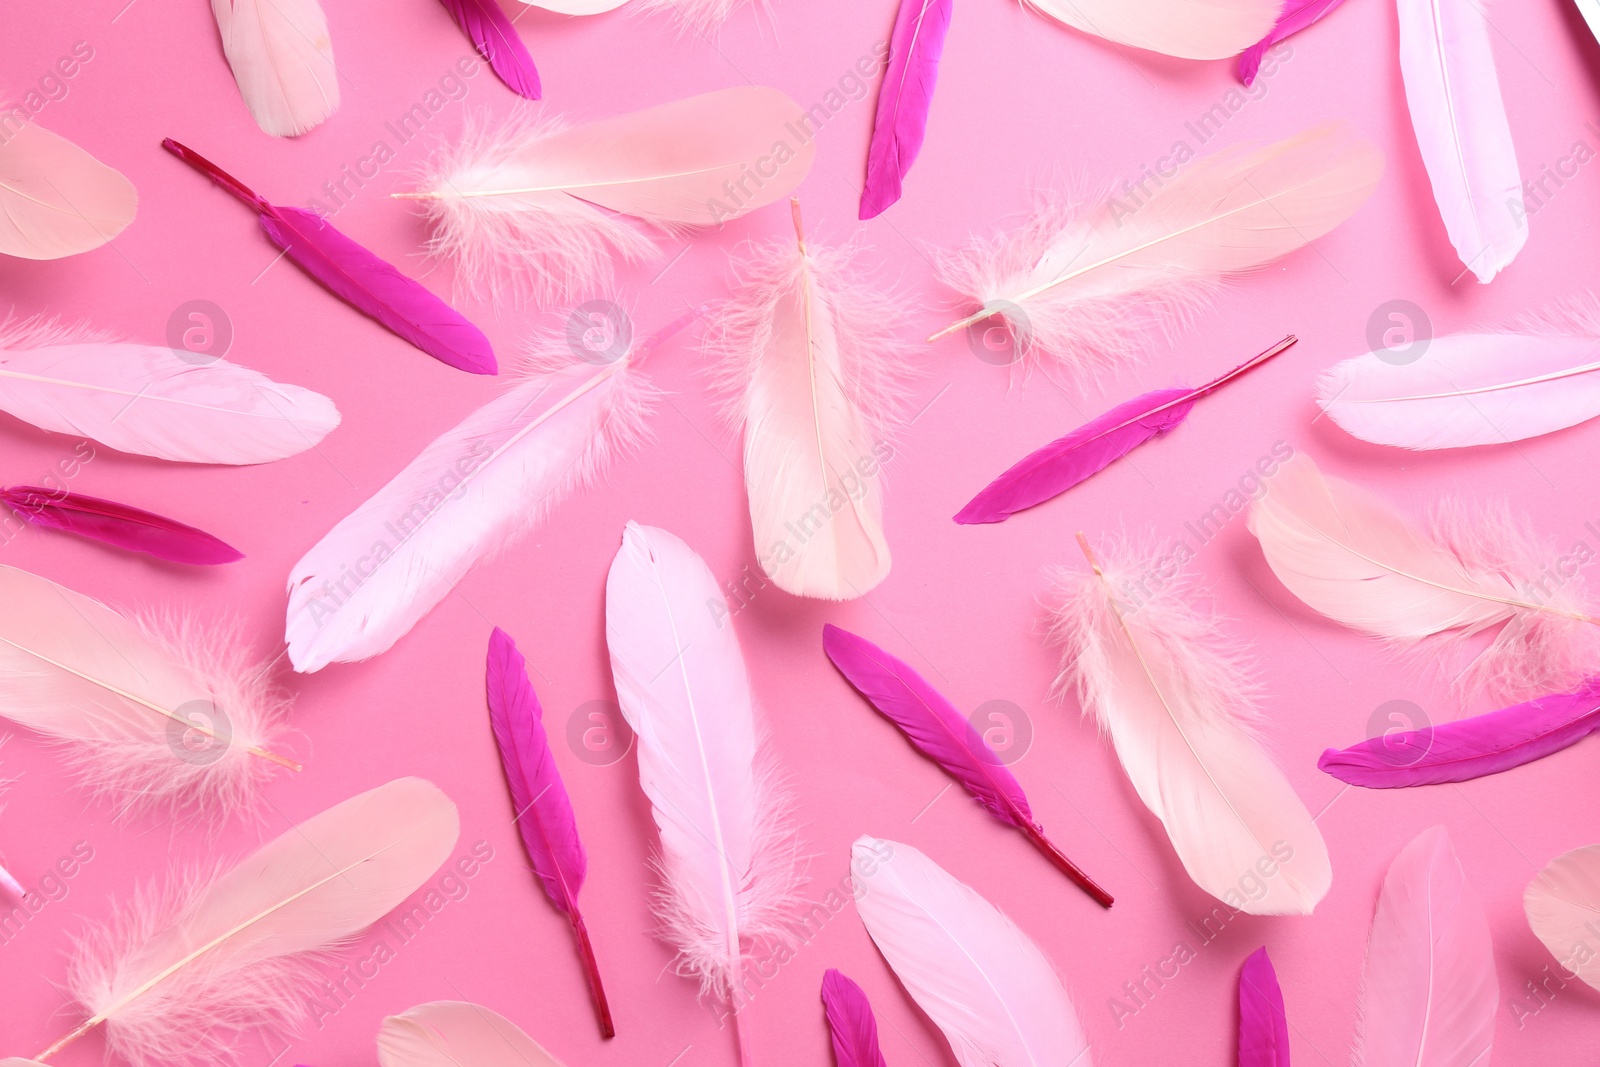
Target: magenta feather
x,y
940,732
1296,16
1263,1025
359,278
497,41
851,1023
544,811
118,525
1067,461
1470,748
903,100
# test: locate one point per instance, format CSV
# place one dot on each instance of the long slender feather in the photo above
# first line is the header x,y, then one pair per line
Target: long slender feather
x,y
116,524
456,1034
851,1024
1428,990
1296,16
496,39
56,199
1563,905
1189,29
1178,705
1263,1024
282,58
904,98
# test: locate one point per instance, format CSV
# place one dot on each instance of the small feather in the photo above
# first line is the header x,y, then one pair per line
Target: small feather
x,y
282,58
117,524
56,199
1263,1025
455,1034
903,100
1561,903
496,39
851,1023
1296,16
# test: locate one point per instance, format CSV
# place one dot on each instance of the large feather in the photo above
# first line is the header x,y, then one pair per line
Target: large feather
x,y
454,1034
1428,991
1296,16
174,980
528,206
1207,29
1479,388
1079,285
495,37
1178,705
968,966
56,199
148,719
728,862
116,524
282,58
1563,907
150,401
471,493
1263,1025
939,730
811,363
851,1024
543,809
1462,131
1353,558
904,97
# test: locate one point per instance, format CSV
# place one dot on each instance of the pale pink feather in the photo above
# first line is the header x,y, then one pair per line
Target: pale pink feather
x,y
56,199
450,1033
702,17
1563,906
282,58
1189,29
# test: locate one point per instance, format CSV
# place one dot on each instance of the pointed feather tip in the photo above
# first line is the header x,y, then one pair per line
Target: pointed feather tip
x,y
1263,1024
118,525
852,1025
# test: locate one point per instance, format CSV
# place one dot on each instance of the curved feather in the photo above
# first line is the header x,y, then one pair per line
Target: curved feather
x,y
1208,29
851,1024
969,968
1429,992
1563,907
1263,1025
496,39
1178,706
904,97
282,58
1296,16
56,199
117,524
456,1034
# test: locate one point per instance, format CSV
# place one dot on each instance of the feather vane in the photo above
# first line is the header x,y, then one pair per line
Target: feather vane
x,y
452,1034
1561,903
495,37
57,200
851,1024
904,97
1263,1024
1210,29
282,58
1296,16
117,524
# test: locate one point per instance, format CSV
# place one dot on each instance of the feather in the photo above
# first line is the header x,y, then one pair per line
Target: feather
x,y
851,1024
477,489
1428,990
1178,705
1050,471
1460,121
150,401
544,815
1079,285
375,288
1207,29
282,58
575,7
56,199
968,967
173,981
1590,9
9,886
116,524
454,1034
1296,16
1263,1025
814,373
527,206
1561,903
904,97
1469,748
1478,388
704,17
728,862
1351,557
495,37
944,735
149,718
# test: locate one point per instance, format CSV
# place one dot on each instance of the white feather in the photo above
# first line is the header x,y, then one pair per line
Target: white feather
x,y
1562,903
702,16
282,58
1590,9
8,882
1190,29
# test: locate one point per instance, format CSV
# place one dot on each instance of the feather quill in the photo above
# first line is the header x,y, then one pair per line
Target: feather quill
x,y
851,1024
1079,285
282,58
1462,131
495,37
1178,706
982,981
347,270
1351,557
1263,1025
455,1034
1428,990
728,861
56,199
1296,16
940,732
543,809
814,373
1063,463
904,98
527,206
174,981
1562,903
1208,29
116,524
469,494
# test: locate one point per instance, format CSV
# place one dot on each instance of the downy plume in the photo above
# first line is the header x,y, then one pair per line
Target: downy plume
x,y
56,199
282,58
527,206
704,17
495,37
851,1024
1179,705
1263,1025
1350,556
904,97
455,1034
1082,285
116,524
1207,29
1561,903
813,372
1296,16
971,970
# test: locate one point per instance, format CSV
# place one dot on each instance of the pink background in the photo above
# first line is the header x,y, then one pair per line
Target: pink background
x,y
1020,99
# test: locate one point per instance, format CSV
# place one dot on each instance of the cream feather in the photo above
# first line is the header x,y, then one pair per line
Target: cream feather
x,y
56,199
1563,908
456,1034
1207,29
282,58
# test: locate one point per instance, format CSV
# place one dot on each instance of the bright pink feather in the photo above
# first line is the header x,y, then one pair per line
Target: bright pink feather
x,y
850,1022
903,100
497,41
117,524
1470,748
1263,1025
1296,16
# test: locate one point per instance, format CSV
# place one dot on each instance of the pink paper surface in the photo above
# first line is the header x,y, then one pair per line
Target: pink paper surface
x,y
1020,100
